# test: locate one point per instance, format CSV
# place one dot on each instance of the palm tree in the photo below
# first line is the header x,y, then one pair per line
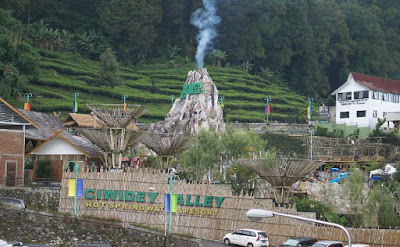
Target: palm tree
x,y
217,56
65,40
266,73
247,66
40,33
173,51
83,41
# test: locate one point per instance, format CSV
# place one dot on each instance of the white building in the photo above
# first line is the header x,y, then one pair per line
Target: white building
x,y
363,99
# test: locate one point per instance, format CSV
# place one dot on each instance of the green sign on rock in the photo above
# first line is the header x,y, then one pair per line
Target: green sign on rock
x,y
192,88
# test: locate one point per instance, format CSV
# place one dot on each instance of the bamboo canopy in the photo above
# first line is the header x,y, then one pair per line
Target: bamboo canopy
x,y
166,144
119,132
281,173
115,115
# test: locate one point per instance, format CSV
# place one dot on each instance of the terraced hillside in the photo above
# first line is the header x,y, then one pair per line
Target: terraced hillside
x,y
152,85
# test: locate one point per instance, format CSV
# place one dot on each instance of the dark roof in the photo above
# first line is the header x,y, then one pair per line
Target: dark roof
x,y
377,83
47,123
83,144
79,142
11,116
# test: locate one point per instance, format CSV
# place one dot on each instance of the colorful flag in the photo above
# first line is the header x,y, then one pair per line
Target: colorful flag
x,y
174,203
166,203
72,189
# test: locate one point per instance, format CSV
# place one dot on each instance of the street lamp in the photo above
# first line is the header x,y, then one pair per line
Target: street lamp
x,y
258,214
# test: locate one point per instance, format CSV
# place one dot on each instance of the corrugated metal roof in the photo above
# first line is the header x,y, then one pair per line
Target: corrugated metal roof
x,y
393,116
377,83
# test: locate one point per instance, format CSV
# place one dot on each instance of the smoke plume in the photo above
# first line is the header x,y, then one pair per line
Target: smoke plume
x,y
205,19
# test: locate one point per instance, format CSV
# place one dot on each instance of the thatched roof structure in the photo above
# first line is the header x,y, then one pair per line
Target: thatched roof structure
x,y
82,121
167,144
282,172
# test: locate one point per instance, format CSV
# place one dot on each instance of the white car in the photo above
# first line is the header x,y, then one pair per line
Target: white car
x,y
328,243
247,237
4,244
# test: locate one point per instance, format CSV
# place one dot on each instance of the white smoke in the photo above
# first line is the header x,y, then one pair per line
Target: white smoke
x,y
205,20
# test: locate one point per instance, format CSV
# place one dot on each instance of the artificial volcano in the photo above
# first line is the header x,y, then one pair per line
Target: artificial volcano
x,y
197,107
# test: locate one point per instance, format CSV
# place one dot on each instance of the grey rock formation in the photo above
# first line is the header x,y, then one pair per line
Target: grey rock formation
x,y
196,109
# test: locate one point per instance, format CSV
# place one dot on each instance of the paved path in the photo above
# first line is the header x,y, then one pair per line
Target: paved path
x,y
211,243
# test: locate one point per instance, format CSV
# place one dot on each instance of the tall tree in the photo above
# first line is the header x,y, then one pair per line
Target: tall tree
x,y
18,61
107,75
130,24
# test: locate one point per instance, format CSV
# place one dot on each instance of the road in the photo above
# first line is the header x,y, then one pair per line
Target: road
x,y
211,243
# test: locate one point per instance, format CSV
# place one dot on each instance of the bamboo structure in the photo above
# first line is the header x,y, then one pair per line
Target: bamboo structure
x,y
166,145
281,174
119,131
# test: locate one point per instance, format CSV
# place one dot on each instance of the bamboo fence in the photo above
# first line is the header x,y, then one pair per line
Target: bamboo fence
x,y
230,216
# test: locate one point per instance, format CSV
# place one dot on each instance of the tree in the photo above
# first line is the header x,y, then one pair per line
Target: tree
x,y
107,75
130,24
18,61
218,57
203,155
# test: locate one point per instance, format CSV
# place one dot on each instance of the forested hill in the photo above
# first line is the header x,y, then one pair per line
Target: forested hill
x,y
308,45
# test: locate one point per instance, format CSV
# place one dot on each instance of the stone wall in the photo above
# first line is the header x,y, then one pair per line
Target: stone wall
x,y
38,198
31,227
282,128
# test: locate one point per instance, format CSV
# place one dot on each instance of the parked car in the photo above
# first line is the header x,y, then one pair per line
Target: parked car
x,y
247,237
13,203
299,242
328,243
4,244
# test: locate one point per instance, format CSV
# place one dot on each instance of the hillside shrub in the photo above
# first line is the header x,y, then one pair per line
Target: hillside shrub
x,y
321,131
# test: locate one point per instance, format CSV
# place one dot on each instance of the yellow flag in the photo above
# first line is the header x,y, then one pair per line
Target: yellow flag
x,y
71,187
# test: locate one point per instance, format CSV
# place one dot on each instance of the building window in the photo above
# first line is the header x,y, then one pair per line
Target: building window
x,y
395,98
375,95
344,114
361,113
385,97
344,96
384,114
375,113
361,95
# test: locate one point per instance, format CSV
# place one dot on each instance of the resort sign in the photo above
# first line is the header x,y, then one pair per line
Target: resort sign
x,y
136,200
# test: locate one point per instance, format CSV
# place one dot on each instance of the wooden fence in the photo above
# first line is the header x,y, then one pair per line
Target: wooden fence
x,y
204,222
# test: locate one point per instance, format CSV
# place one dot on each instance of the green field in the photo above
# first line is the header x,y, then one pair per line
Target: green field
x,y
60,75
